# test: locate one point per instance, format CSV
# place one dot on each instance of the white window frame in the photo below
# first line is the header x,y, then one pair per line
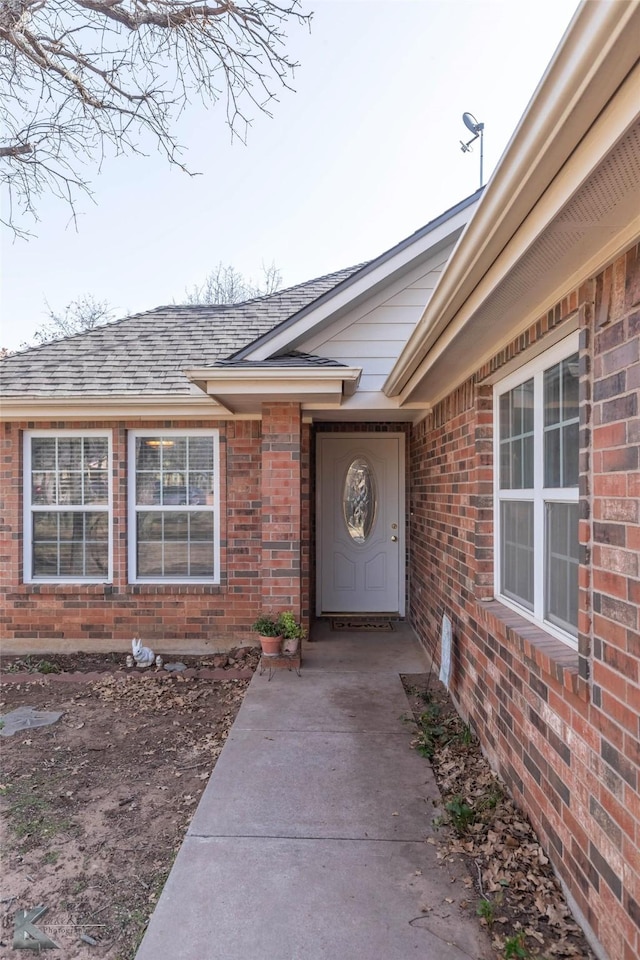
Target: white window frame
x,y
30,508
134,508
541,495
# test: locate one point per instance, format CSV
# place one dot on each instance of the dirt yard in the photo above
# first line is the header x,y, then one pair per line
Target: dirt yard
x,y
96,805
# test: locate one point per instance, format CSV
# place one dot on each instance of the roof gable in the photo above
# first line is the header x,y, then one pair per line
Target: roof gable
x,y
389,270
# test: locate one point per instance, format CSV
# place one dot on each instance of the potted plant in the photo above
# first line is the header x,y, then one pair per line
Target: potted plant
x,y
269,634
292,632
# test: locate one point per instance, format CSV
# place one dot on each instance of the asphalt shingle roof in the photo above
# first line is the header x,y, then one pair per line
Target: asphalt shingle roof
x,y
145,354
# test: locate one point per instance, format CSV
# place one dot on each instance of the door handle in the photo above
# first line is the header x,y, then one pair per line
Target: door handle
x,y
394,538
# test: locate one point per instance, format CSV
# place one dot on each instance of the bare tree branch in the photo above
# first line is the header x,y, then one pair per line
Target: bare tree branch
x,y
80,77
83,313
225,284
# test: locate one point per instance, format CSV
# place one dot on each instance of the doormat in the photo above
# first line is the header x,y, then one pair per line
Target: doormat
x,y
368,625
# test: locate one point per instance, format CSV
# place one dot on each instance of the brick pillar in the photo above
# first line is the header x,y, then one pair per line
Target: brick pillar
x,y
281,507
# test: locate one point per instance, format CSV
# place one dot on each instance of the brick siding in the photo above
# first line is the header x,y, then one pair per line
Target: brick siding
x,y
561,727
259,553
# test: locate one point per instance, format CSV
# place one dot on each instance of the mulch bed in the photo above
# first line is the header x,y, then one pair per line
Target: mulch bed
x,y
512,885
238,664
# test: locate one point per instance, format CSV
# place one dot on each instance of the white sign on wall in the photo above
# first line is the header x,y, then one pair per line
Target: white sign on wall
x,y
445,651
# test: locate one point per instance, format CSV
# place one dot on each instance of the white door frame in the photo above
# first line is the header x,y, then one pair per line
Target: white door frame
x,y
402,520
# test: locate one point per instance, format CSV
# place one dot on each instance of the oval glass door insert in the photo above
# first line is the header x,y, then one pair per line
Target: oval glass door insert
x,y
359,500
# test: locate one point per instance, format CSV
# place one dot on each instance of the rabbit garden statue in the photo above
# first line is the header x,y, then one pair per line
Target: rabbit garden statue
x,y
143,656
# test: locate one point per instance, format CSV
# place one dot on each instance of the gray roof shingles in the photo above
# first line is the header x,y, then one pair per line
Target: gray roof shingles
x,y
146,354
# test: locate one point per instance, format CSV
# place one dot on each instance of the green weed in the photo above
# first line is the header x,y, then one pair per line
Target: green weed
x,y
486,910
45,666
515,947
460,813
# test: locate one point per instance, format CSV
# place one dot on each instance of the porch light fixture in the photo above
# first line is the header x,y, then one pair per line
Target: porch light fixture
x,y
477,129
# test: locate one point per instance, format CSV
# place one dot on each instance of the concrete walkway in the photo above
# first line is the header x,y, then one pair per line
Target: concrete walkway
x,y
309,842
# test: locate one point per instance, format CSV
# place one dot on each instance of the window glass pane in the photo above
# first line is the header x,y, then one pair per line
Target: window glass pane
x,y
45,526
43,488
43,453
148,453
561,424
505,466
96,453
561,555
516,437
505,416
97,526
174,490
176,560
570,381
552,439
149,526
69,453
97,560
201,560
527,463
517,551
147,489
96,487
45,560
526,405
552,395
150,559
70,488
570,458
71,560
176,526
201,454
359,500
201,526
174,453
200,488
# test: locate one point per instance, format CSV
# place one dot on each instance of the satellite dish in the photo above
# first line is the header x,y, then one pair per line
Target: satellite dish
x,y
477,129
471,123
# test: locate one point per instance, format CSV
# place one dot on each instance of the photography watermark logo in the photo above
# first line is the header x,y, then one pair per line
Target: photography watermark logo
x,y
26,935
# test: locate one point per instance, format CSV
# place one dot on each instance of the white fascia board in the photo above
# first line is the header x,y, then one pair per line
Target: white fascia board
x,y
109,408
597,53
276,381
361,287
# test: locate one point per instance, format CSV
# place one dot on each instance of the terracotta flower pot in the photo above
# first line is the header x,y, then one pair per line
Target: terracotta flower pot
x,y
270,645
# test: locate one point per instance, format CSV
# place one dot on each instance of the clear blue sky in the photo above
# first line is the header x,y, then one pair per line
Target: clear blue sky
x,y
362,154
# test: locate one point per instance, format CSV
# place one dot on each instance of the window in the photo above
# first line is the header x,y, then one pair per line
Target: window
x,y
174,515
536,430
67,504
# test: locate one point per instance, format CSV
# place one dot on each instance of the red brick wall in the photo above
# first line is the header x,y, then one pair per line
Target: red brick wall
x,y
561,727
255,516
281,507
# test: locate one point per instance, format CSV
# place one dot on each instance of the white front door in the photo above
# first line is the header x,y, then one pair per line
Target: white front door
x,y
360,536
